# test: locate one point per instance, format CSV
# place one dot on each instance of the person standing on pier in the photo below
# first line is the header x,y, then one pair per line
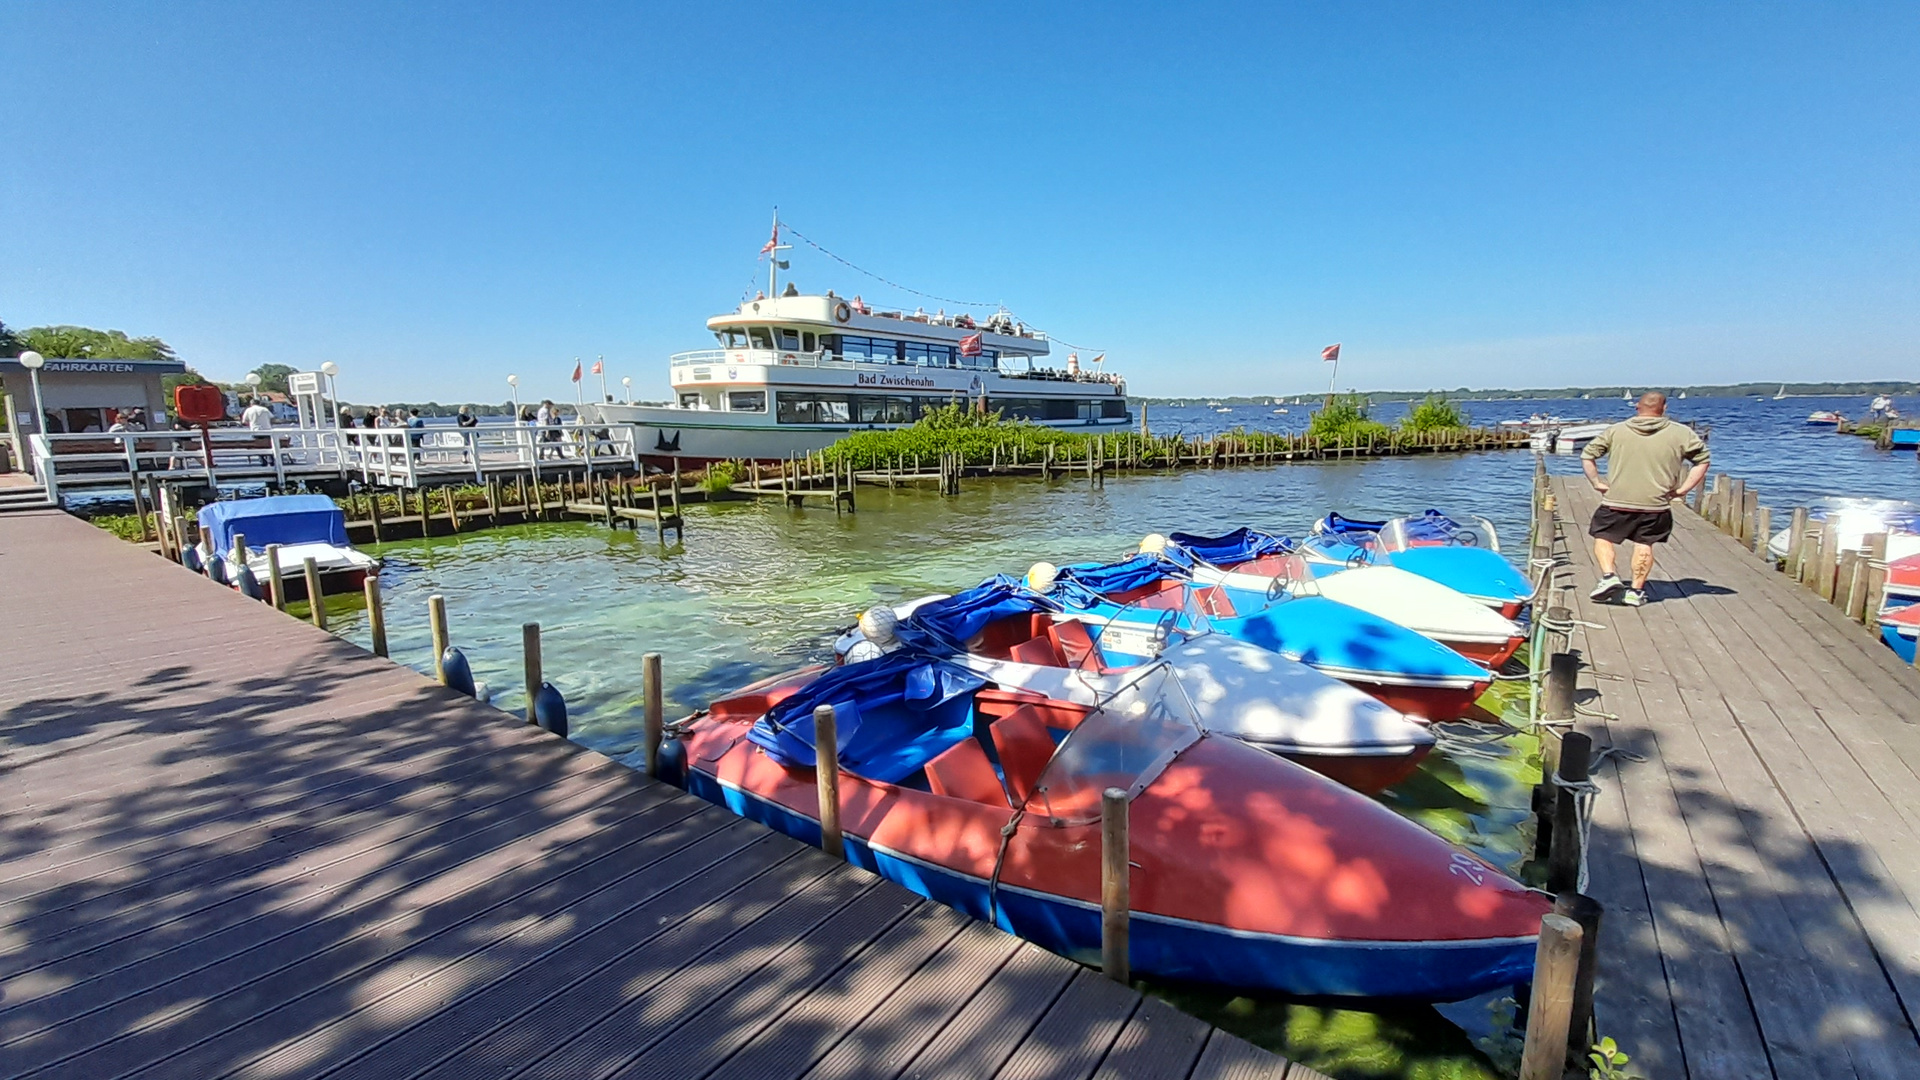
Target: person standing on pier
x,y
1651,461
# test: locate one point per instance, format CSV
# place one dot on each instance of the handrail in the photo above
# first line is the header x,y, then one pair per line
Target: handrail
x,y
823,359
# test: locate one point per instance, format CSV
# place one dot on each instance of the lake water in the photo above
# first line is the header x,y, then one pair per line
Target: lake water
x,y
759,588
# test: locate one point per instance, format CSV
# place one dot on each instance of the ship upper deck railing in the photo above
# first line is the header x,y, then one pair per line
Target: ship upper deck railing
x,y
823,359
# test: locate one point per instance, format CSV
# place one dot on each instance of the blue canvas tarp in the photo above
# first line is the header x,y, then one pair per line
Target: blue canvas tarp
x,y
943,627
1335,525
276,519
1236,547
891,715
1087,584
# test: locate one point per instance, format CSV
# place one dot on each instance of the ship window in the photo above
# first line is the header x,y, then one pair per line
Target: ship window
x,y
1019,408
813,408
830,343
760,338
1062,409
873,409
689,401
732,338
1113,408
807,343
747,401
789,339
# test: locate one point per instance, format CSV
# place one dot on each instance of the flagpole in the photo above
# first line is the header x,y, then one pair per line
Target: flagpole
x,y
602,368
579,390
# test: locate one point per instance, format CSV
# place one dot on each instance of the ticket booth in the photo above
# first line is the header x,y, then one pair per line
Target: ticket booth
x,y
79,396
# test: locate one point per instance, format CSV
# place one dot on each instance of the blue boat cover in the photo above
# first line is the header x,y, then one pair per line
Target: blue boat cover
x,y
891,715
1471,570
943,627
1432,525
1086,584
1238,546
1335,525
1325,634
275,519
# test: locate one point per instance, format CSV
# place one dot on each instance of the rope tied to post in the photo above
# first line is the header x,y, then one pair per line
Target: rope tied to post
x,y
1584,793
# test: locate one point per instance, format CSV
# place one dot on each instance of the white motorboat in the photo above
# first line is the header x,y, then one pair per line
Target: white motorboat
x,y
797,372
1856,519
301,527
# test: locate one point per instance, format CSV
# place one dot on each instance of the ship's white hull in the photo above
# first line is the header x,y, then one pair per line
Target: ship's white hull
x,y
693,434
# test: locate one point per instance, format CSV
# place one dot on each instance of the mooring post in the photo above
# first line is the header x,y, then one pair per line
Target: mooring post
x,y
1876,579
530,648
655,710
1563,670
826,756
376,615
659,523
1563,865
1556,963
1731,517
1763,531
373,514
1843,578
316,608
1557,616
1749,514
1856,585
1116,900
276,581
1585,911
437,624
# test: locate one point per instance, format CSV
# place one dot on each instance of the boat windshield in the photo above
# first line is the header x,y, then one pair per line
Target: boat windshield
x,y
1130,737
1434,528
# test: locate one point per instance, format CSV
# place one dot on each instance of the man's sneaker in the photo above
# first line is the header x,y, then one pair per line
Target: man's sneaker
x,y
1609,587
1633,597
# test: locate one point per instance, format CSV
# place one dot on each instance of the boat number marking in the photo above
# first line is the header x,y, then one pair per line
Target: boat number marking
x,y
1468,867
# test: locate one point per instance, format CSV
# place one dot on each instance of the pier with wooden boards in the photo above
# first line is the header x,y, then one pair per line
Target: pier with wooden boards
x,y
234,845
1755,833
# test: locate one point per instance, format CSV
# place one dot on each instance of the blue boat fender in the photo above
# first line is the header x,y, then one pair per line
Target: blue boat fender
x,y
672,768
248,584
190,558
550,709
457,674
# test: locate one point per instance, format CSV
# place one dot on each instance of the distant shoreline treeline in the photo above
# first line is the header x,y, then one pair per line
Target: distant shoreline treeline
x,y
1752,389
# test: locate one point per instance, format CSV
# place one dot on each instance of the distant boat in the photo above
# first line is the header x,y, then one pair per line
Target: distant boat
x,y
1683,395
1782,394
1279,410
1823,418
1223,409
1626,395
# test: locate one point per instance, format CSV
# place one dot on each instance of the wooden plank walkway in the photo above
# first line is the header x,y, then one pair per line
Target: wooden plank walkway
x,y
232,845
1759,856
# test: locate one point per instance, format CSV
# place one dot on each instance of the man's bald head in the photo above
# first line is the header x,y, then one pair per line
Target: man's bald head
x,y
1651,403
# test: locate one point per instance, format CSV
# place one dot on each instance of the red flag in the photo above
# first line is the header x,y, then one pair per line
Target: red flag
x,y
768,247
1331,353
576,371
598,367
970,345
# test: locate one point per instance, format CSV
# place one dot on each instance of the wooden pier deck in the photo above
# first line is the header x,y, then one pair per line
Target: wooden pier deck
x,y
232,845
1759,856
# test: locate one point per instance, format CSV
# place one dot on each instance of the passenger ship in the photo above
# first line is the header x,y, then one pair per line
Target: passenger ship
x,y
797,372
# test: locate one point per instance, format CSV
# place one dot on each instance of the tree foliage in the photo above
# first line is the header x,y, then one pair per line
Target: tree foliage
x,y
85,343
273,377
1436,413
9,342
1344,422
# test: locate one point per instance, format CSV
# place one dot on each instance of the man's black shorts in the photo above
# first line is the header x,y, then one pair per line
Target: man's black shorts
x,y
1638,526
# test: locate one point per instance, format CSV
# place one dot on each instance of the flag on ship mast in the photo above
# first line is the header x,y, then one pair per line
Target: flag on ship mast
x,y
774,241
970,345
576,369
1331,354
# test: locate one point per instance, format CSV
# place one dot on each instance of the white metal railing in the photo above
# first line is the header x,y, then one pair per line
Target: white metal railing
x,y
823,359
388,457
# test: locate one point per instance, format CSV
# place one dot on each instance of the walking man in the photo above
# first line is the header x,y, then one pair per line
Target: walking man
x,y
1648,459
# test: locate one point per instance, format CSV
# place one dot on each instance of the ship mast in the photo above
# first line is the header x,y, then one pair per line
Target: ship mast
x,y
773,249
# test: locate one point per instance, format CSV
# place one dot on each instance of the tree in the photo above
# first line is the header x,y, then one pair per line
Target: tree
x,y
273,377
85,343
9,342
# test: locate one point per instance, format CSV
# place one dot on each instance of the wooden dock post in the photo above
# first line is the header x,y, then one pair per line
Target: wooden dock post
x,y
1876,579
530,650
659,523
1733,516
373,513
1851,592
316,604
1586,911
376,615
655,710
826,771
1563,865
1556,964
1116,900
437,625
276,581
1763,531
1749,514
1557,696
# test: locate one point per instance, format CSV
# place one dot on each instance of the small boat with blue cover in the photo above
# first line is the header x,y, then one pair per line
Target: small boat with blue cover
x,y
1464,556
1022,640
1248,872
1250,561
305,527
1130,601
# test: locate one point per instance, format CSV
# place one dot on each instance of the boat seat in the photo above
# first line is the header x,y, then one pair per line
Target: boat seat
x,y
1216,603
962,771
1040,651
1024,747
995,701
1074,643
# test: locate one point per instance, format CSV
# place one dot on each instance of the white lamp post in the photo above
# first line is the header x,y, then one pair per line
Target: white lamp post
x,y
33,362
627,382
514,381
330,369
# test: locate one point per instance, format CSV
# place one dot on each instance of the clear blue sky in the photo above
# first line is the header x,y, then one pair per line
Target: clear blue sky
x,y
1478,194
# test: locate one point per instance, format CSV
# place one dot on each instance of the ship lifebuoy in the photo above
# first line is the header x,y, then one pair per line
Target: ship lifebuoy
x,y
841,312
